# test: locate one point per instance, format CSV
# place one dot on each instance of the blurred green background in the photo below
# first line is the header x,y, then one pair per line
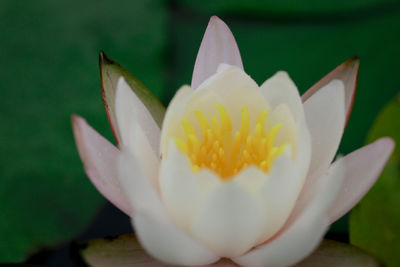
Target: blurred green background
x,y
49,70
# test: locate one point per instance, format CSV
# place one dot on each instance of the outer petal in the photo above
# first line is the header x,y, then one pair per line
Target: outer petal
x,y
167,243
110,73
100,161
158,235
218,46
130,112
325,115
230,220
139,132
347,72
297,240
362,168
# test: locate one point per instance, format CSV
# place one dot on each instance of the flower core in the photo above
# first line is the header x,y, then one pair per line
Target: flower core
x,y
227,152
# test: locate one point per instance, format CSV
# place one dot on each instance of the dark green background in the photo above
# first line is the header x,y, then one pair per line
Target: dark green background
x,y
49,70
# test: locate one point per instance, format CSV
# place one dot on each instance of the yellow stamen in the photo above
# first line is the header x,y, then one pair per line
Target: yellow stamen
x,y
203,122
226,124
225,151
245,123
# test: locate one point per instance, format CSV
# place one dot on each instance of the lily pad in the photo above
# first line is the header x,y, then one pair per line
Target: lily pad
x,y
374,222
125,250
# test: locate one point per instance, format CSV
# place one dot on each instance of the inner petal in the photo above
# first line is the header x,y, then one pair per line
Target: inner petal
x,y
225,150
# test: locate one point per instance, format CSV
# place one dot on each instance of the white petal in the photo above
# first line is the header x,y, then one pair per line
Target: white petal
x,y
294,133
347,72
299,238
137,187
148,160
276,190
158,235
100,157
131,111
230,221
362,168
182,190
173,116
279,194
280,89
304,148
283,96
325,115
218,46
165,242
288,132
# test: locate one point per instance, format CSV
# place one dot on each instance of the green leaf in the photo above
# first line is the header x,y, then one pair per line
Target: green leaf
x,y
125,250
110,72
375,221
49,71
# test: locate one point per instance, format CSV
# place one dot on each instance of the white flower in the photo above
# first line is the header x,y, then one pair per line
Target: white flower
x,y
238,170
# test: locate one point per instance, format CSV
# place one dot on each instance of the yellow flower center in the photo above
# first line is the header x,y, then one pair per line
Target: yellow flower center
x,y
225,152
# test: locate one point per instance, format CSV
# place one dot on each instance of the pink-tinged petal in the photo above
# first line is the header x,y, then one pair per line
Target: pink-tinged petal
x,y
100,158
110,73
325,116
156,232
299,237
347,72
218,46
362,168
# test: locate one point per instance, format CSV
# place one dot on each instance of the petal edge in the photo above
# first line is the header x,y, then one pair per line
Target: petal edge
x,y
99,158
218,46
362,168
346,72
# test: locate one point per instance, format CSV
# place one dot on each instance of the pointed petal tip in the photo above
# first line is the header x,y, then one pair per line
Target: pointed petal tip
x,y
354,59
75,121
74,118
215,19
104,59
347,72
363,168
217,46
352,63
388,144
78,125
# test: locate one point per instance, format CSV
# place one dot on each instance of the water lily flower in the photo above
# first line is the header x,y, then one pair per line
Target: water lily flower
x,y
237,170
